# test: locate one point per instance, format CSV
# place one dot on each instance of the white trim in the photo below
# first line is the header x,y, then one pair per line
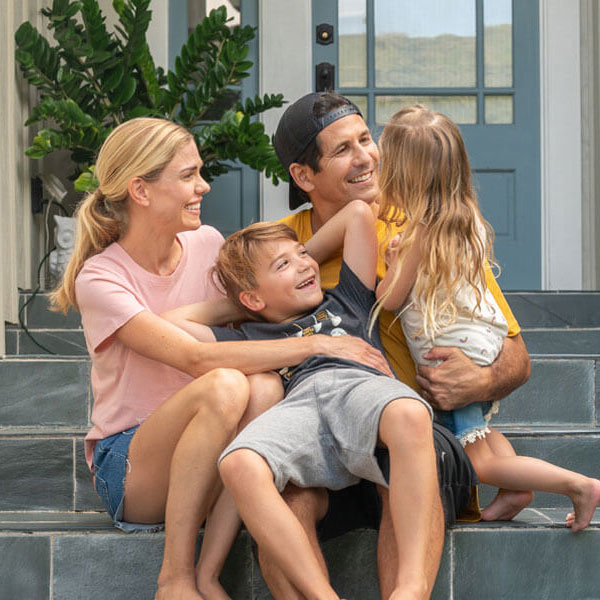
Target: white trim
x,y
560,145
590,134
285,63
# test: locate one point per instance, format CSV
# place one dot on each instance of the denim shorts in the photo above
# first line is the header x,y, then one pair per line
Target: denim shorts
x,y
110,467
469,423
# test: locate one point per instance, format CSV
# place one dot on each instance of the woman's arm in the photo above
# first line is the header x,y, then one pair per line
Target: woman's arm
x,y
194,318
352,227
155,338
396,285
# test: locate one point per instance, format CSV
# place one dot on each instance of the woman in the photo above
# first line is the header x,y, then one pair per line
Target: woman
x,y
165,405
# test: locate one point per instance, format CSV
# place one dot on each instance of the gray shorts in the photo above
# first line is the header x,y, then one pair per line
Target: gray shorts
x,y
324,432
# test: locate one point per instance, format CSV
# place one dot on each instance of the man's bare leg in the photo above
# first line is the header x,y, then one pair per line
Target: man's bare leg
x,y
309,505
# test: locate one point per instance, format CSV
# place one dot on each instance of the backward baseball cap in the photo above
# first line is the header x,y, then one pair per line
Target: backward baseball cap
x,y
298,127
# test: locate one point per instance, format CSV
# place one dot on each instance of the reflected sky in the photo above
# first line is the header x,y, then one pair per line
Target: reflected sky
x,y
426,18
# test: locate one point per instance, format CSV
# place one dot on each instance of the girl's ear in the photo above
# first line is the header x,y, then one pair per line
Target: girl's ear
x,y
138,191
252,301
302,175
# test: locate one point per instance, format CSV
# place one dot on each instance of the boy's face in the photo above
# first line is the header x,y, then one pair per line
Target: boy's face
x,y
288,280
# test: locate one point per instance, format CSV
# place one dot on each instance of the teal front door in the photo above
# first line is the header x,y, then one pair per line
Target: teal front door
x,y
473,60
233,201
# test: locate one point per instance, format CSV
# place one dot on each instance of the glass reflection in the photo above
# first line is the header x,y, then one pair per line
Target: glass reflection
x,y
425,44
498,51
352,46
498,110
461,109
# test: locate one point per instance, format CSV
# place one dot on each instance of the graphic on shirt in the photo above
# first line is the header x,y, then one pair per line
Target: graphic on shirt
x,y
321,318
325,322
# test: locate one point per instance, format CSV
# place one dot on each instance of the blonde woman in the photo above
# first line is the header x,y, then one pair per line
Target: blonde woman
x,y
436,283
165,405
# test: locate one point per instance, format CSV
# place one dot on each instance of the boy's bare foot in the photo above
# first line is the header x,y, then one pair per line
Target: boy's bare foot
x,y
585,502
506,505
212,590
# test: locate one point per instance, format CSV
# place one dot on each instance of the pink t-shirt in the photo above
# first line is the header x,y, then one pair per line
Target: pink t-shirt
x,y
111,289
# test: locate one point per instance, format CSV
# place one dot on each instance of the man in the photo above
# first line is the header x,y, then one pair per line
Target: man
x,y
327,148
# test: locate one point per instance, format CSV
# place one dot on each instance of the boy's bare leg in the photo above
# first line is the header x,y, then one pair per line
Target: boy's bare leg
x,y
387,553
272,524
309,505
173,461
224,521
406,429
508,503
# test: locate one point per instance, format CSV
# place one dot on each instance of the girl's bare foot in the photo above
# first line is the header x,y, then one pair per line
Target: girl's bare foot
x,y
585,502
212,590
506,505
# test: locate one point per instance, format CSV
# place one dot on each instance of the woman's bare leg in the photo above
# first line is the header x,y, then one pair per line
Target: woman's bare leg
x,y
272,524
173,469
406,429
224,521
508,503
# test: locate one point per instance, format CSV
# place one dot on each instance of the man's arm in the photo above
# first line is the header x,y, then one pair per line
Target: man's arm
x,y
458,381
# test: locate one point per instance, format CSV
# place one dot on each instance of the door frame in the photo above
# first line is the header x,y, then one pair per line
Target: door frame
x,y
285,36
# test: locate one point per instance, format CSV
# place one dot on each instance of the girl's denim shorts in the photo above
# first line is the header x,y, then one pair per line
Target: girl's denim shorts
x,y
110,467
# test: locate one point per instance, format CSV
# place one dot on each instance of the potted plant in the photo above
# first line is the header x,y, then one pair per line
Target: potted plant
x,y
92,80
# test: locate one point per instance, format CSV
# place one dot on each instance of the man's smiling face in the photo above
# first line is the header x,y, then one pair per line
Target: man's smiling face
x,y
349,164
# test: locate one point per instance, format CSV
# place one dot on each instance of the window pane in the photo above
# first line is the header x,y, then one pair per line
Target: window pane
x,y
362,102
425,44
497,21
461,109
498,110
352,47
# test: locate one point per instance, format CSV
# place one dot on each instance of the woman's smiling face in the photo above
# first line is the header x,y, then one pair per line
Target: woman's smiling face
x,y
176,195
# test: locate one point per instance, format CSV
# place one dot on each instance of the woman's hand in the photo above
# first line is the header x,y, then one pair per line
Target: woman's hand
x,y
353,348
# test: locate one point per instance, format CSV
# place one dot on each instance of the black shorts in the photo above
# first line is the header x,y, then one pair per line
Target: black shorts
x,y
359,506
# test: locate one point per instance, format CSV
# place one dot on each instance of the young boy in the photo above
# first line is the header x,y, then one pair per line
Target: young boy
x,y
335,412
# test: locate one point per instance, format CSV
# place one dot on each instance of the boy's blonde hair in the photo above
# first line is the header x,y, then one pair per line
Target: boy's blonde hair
x,y
236,263
137,148
426,180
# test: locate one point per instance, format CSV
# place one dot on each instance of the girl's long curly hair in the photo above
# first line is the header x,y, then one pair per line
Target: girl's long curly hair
x,y
426,179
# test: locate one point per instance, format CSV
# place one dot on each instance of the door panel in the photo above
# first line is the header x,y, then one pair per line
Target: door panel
x,y
477,62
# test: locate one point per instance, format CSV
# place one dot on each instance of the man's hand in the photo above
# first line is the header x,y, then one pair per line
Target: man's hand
x,y
353,348
458,381
455,382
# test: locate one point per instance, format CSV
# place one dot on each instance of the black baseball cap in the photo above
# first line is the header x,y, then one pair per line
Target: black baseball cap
x,y
298,127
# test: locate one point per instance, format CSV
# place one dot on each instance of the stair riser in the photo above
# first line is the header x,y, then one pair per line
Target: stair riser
x,y
573,452
45,474
51,474
476,563
56,393
556,310
44,393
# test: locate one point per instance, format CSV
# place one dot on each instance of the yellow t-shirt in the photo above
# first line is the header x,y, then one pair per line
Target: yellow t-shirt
x,y
390,330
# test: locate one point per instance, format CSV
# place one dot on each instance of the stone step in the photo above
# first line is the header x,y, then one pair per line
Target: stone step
x,y
54,393
555,309
45,342
562,342
50,557
48,471
532,310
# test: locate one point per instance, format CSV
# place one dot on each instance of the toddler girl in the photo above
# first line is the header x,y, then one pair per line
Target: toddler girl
x,y
436,283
